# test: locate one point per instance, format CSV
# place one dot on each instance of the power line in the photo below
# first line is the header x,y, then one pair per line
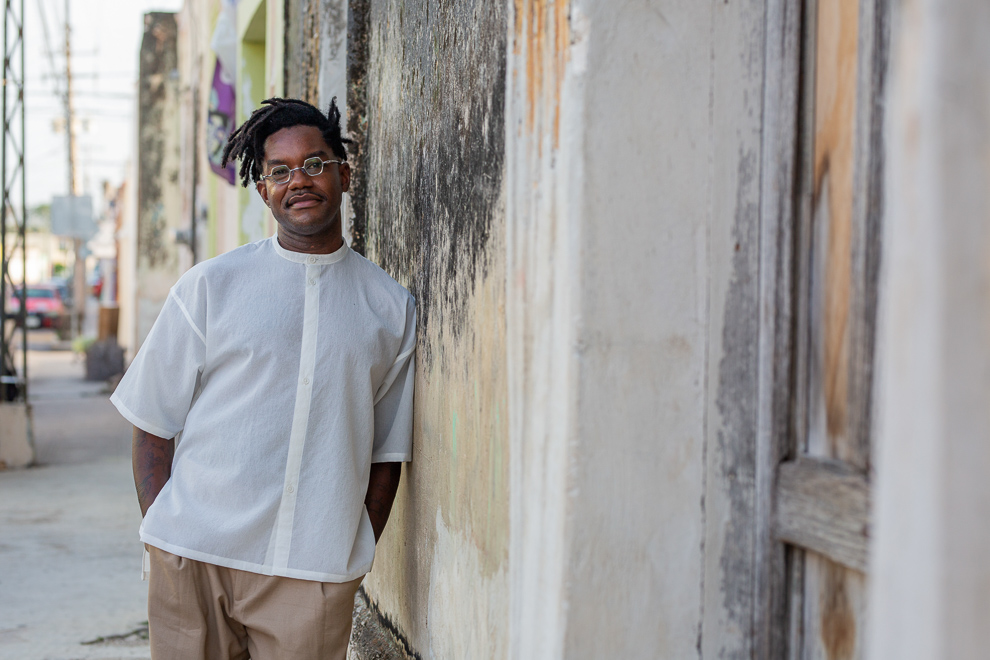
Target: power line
x,y
48,47
58,18
105,74
92,94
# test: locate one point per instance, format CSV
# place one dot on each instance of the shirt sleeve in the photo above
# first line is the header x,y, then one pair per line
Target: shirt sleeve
x,y
157,389
394,400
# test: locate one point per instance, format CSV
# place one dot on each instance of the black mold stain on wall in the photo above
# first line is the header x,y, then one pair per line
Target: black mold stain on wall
x,y
435,145
358,23
302,50
158,62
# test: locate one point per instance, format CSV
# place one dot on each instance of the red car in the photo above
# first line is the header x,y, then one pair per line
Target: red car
x,y
44,305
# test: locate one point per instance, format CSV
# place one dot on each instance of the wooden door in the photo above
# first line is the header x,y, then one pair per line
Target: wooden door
x,y
821,491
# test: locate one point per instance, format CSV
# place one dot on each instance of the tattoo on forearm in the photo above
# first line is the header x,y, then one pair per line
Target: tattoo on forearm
x,y
152,463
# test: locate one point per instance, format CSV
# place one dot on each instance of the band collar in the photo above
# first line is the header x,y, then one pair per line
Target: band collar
x,y
306,258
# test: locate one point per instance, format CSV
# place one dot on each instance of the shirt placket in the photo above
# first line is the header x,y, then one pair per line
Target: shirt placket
x,y
300,416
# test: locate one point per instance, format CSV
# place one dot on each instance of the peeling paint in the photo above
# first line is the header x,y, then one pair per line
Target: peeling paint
x,y
542,39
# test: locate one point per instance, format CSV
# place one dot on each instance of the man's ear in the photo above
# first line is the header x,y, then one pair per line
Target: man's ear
x,y
263,191
345,176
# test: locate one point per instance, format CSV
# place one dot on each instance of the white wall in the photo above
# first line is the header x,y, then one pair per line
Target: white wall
x,y
609,205
931,579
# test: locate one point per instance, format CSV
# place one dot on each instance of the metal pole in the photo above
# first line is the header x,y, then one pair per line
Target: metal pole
x,y
23,170
13,386
7,357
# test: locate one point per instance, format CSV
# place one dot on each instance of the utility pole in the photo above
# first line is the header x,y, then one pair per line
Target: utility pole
x,y
79,266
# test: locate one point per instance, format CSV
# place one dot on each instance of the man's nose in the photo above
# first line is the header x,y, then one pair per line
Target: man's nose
x,y
298,178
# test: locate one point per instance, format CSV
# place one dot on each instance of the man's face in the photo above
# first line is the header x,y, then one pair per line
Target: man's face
x,y
307,206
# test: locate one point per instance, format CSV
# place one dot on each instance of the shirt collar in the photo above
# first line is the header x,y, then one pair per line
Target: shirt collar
x,y
306,258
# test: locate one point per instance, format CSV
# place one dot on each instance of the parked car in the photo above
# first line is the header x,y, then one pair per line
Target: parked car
x,y
65,290
44,305
96,285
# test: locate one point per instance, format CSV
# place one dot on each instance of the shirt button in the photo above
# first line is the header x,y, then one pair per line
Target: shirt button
x,y
312,281
290,489
305,381
312,260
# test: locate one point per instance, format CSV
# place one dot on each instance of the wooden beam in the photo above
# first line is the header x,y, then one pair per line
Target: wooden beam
x,y
778,199
824,506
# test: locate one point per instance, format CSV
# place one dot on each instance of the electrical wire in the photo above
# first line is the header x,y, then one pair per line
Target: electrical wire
x,y
48,49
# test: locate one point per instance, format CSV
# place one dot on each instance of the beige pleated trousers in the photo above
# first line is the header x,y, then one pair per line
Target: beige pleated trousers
x,y
199,611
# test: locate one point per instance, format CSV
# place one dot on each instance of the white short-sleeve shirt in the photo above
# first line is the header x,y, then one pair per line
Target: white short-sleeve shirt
x,y
284,376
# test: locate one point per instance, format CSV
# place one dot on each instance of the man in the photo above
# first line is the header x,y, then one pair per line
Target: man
x,y
272,406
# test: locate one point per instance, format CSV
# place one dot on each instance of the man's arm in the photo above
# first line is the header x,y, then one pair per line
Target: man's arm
x,y
382,486
151,457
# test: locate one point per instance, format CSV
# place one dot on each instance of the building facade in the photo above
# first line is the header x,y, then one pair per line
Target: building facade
x,y
702,294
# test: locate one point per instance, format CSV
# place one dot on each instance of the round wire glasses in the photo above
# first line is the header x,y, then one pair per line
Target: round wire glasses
x,y
281,174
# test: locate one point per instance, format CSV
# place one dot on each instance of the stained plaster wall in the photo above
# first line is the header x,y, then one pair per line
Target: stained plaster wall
x,y
316,65
609,210
637,458
435,221
159,260
640,404
316,50
611,314
633,277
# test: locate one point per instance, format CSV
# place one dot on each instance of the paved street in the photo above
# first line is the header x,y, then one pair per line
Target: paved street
x,y
69,554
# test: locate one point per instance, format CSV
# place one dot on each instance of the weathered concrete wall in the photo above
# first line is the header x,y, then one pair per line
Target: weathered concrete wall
x,y
127,262
435,221
303,54
931,586
641,343
731,580
159,194
609,209
623,343
316,69
196,21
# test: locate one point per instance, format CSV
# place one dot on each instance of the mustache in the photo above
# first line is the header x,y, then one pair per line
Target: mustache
x,y
306,193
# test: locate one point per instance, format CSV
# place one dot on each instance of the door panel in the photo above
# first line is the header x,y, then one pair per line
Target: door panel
x,y
834,610
822,494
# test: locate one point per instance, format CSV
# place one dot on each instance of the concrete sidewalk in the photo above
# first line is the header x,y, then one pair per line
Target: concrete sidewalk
x,y
74,421
70,559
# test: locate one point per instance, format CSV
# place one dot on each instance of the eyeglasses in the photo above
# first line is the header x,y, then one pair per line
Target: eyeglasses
x,y
281,174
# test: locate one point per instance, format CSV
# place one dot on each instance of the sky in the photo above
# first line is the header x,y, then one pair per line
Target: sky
x,y
106,37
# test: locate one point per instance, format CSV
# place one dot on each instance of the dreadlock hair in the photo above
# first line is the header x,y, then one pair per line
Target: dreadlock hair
x,y
247,143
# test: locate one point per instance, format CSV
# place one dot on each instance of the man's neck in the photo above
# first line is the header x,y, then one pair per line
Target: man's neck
x,y
310,244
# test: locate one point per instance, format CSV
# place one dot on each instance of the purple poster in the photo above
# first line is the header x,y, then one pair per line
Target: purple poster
x,y
220,124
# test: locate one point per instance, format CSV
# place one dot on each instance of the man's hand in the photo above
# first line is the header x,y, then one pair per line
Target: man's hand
x,y
382,485
151,458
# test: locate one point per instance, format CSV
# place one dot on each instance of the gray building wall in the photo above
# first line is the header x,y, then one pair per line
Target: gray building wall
x,y
159,260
